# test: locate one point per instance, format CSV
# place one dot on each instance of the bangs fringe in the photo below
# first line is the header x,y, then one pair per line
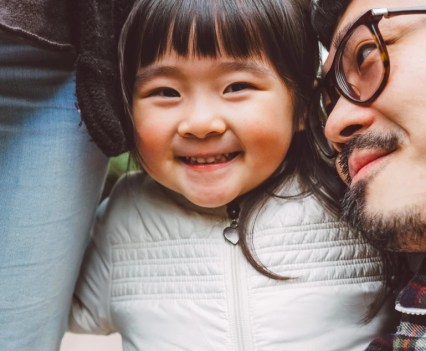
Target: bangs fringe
x,y
202,28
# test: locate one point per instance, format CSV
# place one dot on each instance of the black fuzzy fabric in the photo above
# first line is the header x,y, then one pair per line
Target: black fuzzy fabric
x,y
90,29
47,23
324,16
98,89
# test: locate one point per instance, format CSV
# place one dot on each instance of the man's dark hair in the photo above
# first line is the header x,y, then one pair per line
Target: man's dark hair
x,y
324,16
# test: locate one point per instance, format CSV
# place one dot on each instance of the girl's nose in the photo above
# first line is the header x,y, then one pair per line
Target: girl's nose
x,y
201,122
346,121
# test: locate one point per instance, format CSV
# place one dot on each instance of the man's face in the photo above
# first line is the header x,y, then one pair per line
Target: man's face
x,y
382,146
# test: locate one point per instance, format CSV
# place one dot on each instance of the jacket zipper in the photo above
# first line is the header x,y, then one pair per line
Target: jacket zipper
x,y
239,301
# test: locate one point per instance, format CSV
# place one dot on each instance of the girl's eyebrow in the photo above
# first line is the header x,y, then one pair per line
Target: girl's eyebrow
x,y
246,66
148,73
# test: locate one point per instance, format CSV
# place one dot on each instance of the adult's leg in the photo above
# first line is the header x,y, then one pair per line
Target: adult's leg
x,y
51,178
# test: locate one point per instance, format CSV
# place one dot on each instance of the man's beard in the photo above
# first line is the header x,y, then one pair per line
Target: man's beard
x,y
395,230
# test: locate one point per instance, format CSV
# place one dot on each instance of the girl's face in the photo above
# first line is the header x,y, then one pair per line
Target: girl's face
x,y
211,129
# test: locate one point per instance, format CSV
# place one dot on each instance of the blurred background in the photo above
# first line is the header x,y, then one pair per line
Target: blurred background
x,y
80,342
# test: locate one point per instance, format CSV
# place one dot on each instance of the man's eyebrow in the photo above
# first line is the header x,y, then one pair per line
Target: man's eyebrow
x,y
340,34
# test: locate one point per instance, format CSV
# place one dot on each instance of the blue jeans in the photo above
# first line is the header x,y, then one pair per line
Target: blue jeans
x,y
51,178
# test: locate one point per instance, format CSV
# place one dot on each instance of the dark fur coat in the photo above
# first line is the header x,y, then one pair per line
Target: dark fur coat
x,y
88,29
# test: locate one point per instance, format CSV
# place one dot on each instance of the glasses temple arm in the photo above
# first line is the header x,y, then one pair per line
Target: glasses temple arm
x,y
390,12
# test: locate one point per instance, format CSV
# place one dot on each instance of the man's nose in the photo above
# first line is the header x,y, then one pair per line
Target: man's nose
x,y
202,120
347,120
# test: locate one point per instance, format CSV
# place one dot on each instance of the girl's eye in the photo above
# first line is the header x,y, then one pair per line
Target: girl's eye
x,y
235,87
165,92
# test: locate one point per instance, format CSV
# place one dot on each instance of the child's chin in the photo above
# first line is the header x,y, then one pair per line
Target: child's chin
x,y
210,202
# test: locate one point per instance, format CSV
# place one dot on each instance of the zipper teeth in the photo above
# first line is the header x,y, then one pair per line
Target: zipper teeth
x,y
236,288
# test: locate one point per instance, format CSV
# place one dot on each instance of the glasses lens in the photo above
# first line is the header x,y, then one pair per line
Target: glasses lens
x,y
360,70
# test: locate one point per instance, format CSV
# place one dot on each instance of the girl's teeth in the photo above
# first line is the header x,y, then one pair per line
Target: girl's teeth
x,y
210,159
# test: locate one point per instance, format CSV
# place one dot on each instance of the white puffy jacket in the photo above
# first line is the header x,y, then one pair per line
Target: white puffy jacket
x,y
160,272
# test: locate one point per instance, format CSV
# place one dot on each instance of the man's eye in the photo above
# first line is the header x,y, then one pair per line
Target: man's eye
x,y
363,53
165,92
235,87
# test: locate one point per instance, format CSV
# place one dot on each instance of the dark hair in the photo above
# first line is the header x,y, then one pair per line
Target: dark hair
x,y
324,16
277,30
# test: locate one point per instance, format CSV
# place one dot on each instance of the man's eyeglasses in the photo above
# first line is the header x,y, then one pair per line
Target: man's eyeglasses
x,y
359,71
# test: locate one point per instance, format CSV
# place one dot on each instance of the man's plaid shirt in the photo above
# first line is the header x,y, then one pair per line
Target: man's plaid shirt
x,y
411,332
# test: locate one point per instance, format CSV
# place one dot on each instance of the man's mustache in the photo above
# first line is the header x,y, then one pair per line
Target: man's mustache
x,y
370,140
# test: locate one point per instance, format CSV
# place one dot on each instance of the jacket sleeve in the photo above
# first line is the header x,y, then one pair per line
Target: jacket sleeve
x,y
91,301
97,80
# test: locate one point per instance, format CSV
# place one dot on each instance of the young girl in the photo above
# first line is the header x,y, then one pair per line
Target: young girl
x,y
222,242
